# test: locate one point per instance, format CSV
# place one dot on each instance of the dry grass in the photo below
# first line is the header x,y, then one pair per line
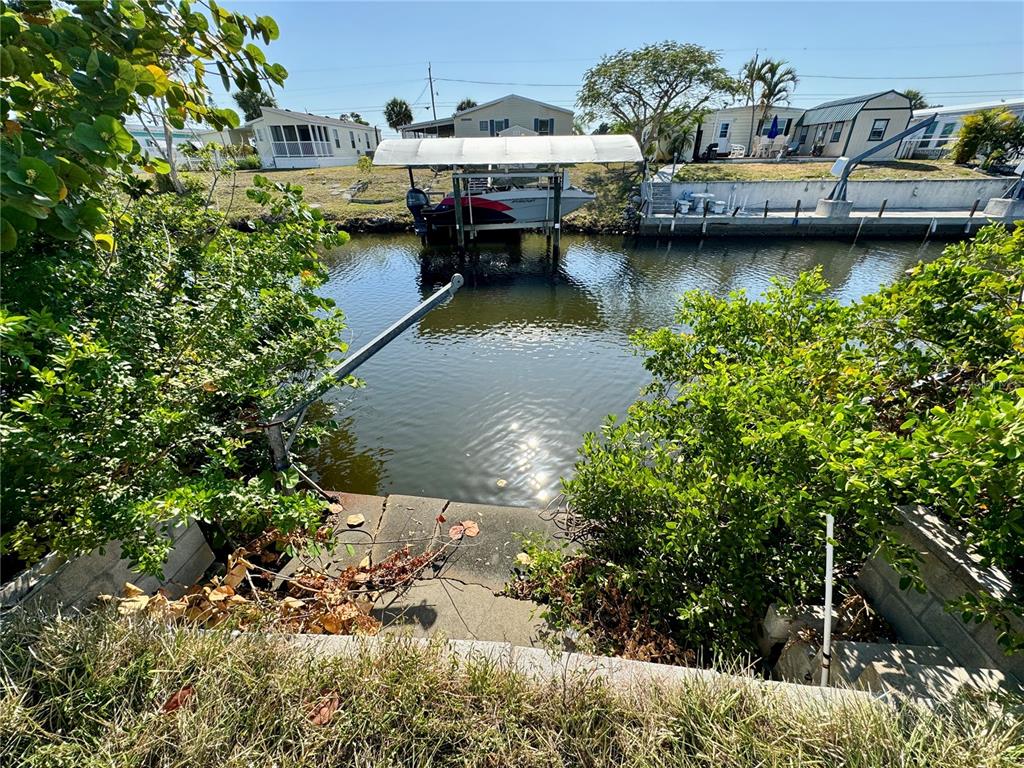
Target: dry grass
x,y
897,169
109,691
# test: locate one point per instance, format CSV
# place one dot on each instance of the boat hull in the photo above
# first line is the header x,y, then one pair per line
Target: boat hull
x,y
519,208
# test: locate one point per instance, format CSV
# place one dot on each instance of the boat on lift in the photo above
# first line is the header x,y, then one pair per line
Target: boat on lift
x,y
489,204
502,182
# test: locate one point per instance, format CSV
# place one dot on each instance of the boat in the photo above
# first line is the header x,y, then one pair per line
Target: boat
x,y
504,207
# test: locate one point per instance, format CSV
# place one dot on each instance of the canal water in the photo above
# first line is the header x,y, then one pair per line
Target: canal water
x,y
487,398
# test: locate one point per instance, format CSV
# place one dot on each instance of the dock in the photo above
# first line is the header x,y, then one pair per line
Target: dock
x,y
860,224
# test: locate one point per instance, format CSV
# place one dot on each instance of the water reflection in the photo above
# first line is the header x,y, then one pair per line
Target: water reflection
x,y
487,398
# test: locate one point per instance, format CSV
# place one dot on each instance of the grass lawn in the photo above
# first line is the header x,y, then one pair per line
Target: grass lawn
x,y
771,171
107,691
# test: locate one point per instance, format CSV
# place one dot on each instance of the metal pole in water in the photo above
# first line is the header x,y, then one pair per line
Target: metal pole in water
x,y
826,647
274,427
766,209
881,209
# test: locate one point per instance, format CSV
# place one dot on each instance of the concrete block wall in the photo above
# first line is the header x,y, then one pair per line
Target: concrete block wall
x,y
949,571
76,583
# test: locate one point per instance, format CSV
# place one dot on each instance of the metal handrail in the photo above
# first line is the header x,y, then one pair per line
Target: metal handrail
x,y
274,427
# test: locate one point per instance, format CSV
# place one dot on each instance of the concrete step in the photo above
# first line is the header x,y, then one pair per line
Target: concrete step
x,y
850,658
930,682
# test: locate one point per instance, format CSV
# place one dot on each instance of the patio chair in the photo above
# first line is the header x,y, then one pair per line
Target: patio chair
x,y
737,150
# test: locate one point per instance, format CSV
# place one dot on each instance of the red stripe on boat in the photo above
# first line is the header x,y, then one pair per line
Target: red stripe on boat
x,y
478,202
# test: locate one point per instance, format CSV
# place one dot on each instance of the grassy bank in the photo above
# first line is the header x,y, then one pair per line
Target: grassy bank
x,y
386,187
105,691
770,171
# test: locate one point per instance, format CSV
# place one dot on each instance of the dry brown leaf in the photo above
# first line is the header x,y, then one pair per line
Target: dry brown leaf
x,y
221,593
330,623
324,709
237,568
130,605
336,508
471,528
441,518
456,531
354,520
130,590
178,699
364,606
365,562
292,604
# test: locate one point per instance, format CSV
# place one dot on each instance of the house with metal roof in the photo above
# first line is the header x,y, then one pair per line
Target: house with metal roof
x,y
847,127
510,115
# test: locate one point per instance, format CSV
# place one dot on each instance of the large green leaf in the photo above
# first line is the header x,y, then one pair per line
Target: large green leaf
x,y
34,173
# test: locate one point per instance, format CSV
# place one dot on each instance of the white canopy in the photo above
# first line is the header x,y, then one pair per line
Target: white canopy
x,y
508,150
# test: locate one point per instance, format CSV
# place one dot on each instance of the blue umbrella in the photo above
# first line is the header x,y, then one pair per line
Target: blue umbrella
x,y
774,130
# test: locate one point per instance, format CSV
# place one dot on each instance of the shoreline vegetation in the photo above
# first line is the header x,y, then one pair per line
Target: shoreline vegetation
x,y
135,691
366,200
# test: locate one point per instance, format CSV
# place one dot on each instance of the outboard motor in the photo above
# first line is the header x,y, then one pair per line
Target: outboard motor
x,y
416,200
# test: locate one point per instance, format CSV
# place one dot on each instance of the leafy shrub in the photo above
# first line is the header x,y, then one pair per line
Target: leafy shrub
x,y
365,164
132,386
248,163
707,502
993,133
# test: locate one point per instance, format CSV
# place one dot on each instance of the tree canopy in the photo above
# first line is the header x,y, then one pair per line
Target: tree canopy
x,y
466,103
640,88
71,77
353,117
251,102
398,113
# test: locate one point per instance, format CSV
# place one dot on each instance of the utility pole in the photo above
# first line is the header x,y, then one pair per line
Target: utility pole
x,y
753,107
430,77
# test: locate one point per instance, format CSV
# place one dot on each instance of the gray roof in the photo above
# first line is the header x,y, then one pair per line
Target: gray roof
x,y
839,110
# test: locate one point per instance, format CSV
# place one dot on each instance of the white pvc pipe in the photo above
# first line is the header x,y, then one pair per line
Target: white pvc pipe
x,y
826,648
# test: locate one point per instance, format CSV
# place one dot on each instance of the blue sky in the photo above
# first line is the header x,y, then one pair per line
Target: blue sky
x,y
354,56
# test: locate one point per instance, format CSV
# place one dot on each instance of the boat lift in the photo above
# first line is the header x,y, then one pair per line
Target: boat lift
x,y
839,190
505,157
280,444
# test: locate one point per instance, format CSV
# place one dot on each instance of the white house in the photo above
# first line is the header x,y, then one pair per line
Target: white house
x,y
935,140
847,127
731,125
496,117
286,139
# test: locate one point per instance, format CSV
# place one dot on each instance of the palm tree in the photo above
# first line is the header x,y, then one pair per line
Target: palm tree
x,y
466,103
750,75
917,99
398,113
777,83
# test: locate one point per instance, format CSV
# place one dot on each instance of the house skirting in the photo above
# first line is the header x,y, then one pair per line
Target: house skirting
x,y
311,162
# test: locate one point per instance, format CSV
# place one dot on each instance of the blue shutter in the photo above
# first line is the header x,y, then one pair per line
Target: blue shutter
x,y
551,126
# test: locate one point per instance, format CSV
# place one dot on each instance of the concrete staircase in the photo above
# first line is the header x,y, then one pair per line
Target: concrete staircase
x,y
661,198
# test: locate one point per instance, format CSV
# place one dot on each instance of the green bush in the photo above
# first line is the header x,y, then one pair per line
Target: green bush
x,y
249,163
133,380
707,502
